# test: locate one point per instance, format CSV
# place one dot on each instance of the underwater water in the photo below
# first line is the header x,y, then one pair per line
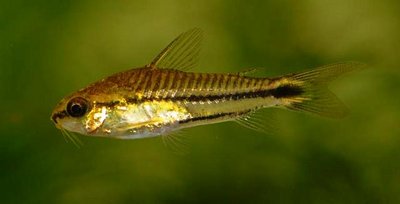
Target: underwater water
x,y
49,49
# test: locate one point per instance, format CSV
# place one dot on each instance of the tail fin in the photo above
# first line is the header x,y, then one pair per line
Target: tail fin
x,y
314,95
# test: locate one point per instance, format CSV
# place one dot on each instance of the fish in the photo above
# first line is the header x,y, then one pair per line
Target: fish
x,y
165,96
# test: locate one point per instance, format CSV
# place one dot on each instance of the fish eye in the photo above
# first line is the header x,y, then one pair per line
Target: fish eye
x,y
77,107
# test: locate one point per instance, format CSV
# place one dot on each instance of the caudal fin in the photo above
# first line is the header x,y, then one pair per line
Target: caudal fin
x,y
313,95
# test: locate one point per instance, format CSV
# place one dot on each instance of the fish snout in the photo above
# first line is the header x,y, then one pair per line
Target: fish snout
x,y
56,116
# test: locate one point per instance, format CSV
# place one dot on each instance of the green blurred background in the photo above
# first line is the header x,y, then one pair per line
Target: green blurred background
x,y
49,49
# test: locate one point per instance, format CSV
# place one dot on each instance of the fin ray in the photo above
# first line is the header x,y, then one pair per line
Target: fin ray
x,y
315,96
327,73
248,71
177,142
182,53
259,122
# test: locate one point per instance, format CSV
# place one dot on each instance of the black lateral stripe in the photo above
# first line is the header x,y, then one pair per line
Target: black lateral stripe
x,y
285,91
215,116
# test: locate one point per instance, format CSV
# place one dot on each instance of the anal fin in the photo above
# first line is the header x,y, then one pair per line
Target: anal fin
x,y
259,122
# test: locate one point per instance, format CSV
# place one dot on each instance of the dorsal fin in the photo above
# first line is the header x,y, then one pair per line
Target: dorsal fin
x,y
182,53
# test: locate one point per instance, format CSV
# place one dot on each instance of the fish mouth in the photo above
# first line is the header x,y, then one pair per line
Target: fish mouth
x,y
56,116
54,119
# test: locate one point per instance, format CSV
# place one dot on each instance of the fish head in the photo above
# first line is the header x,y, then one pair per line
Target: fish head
x,y
82,112
98,109
71,113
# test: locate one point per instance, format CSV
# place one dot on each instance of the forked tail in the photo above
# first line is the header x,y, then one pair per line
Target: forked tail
x,y
308,91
